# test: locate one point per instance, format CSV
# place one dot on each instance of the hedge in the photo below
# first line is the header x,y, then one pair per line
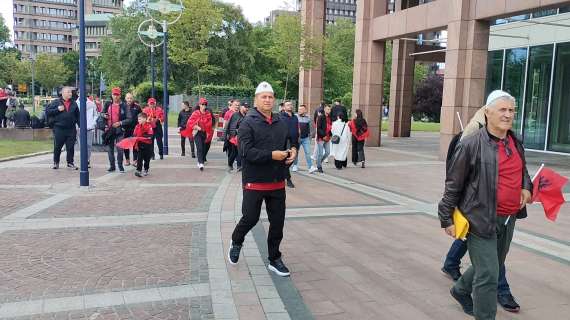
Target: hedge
x,y
222,90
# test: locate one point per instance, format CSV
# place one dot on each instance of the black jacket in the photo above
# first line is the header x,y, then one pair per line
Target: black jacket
x,y
135,111
339,111
292,123
125,116
233,124
322,126
471,183
183,117
22,118
257,140
63,119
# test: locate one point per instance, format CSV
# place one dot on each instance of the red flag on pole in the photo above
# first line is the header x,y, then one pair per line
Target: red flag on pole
x,y
548,190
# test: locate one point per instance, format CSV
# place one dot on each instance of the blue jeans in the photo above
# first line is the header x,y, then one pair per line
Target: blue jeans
x,y
306,144
453,260
323,152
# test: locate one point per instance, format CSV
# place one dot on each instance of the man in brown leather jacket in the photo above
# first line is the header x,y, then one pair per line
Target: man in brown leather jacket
x,y
488,181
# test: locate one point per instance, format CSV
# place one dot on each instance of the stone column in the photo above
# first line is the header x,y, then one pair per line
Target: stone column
x,y
465,71
401,88
311,81
368,75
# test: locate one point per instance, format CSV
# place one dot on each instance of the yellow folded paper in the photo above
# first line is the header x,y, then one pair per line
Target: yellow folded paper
x,y
461,225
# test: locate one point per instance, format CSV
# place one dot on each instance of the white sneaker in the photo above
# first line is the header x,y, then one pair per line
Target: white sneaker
x,y
327,160
294,168
201,166
313,158
312,169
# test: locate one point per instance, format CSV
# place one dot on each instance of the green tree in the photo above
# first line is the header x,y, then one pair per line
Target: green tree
x,y
123,57
51,72
339,59
71,61
4,33
188,38
291,42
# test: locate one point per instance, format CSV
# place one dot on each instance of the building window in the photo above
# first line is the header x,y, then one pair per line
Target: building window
x,y
544,13
515,69
559,136
537,92
494,71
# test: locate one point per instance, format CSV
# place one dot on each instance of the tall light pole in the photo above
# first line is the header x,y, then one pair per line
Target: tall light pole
x,y
84,170
153,35
165,7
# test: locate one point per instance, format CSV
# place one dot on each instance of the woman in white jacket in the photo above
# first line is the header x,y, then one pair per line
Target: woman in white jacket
x,y
340,150
92,115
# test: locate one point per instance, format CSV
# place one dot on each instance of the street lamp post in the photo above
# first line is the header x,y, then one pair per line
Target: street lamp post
x,y
165,7
152,34
84,171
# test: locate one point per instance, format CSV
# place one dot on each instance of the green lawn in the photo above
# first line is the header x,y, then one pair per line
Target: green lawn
x,y
10,148
417,126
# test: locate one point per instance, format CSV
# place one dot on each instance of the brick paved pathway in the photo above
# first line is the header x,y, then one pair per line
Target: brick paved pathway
x,y
361,244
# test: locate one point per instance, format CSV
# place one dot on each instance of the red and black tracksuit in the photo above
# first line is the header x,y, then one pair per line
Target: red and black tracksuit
x,y
144,146
116,112
183,117
263,178
359,130
135,111
204,136
156,118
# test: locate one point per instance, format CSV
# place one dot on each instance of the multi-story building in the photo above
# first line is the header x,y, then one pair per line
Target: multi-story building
x,y
276,13
50,25
337,9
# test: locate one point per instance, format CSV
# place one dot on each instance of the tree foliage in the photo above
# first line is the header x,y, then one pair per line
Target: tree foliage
x,y
339,60
4,33
51,72
428,101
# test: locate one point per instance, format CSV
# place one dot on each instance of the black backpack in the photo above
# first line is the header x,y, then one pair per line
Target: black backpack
x,y
36,123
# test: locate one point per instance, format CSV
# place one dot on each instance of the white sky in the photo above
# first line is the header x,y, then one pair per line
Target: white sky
x,y
254,10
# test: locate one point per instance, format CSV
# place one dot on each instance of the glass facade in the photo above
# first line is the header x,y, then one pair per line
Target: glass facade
x,y
541,89
537,94
515,66
559,137
494,71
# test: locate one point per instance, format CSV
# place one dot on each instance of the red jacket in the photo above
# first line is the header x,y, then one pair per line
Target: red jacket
x,y
154,114
360,137
144,131
204,121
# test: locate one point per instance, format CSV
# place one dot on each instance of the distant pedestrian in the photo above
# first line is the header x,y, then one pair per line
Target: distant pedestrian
x,y
64,114
183,117
119,118
143,133
156,118
3,108
200,125
293,124
232,137
22,118
359,130
324,126
339,110
263,140
306,127
340,142
135,110
91,112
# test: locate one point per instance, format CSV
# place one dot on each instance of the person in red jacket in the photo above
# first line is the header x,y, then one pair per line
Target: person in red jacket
x,y
144,133
359,129
155,118
200,125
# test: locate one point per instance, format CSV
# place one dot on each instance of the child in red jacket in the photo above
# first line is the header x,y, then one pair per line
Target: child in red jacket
x,y
143,133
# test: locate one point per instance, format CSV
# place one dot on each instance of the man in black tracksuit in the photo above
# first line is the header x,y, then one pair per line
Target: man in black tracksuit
x,y
63,113
231,136
119,119
263,139
183,117
293,124
135,110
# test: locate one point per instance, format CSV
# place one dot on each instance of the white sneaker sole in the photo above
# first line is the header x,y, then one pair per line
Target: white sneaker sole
x,y
277,272
229,259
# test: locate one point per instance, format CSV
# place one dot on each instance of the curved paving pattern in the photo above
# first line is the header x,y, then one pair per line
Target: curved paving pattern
x,y
361,244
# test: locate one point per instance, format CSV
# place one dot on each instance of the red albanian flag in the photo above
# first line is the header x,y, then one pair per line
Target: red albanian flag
x,y
548,190
131,143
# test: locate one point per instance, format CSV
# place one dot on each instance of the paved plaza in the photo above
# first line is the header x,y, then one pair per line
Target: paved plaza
x,y
361,243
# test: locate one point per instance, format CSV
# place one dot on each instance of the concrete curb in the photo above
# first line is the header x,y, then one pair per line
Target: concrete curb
x,y
23,156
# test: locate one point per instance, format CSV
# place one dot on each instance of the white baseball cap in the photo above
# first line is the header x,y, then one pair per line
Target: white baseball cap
x,y
497,94
263,87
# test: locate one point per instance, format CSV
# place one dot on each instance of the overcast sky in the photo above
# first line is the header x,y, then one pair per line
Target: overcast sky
x,y
254,10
